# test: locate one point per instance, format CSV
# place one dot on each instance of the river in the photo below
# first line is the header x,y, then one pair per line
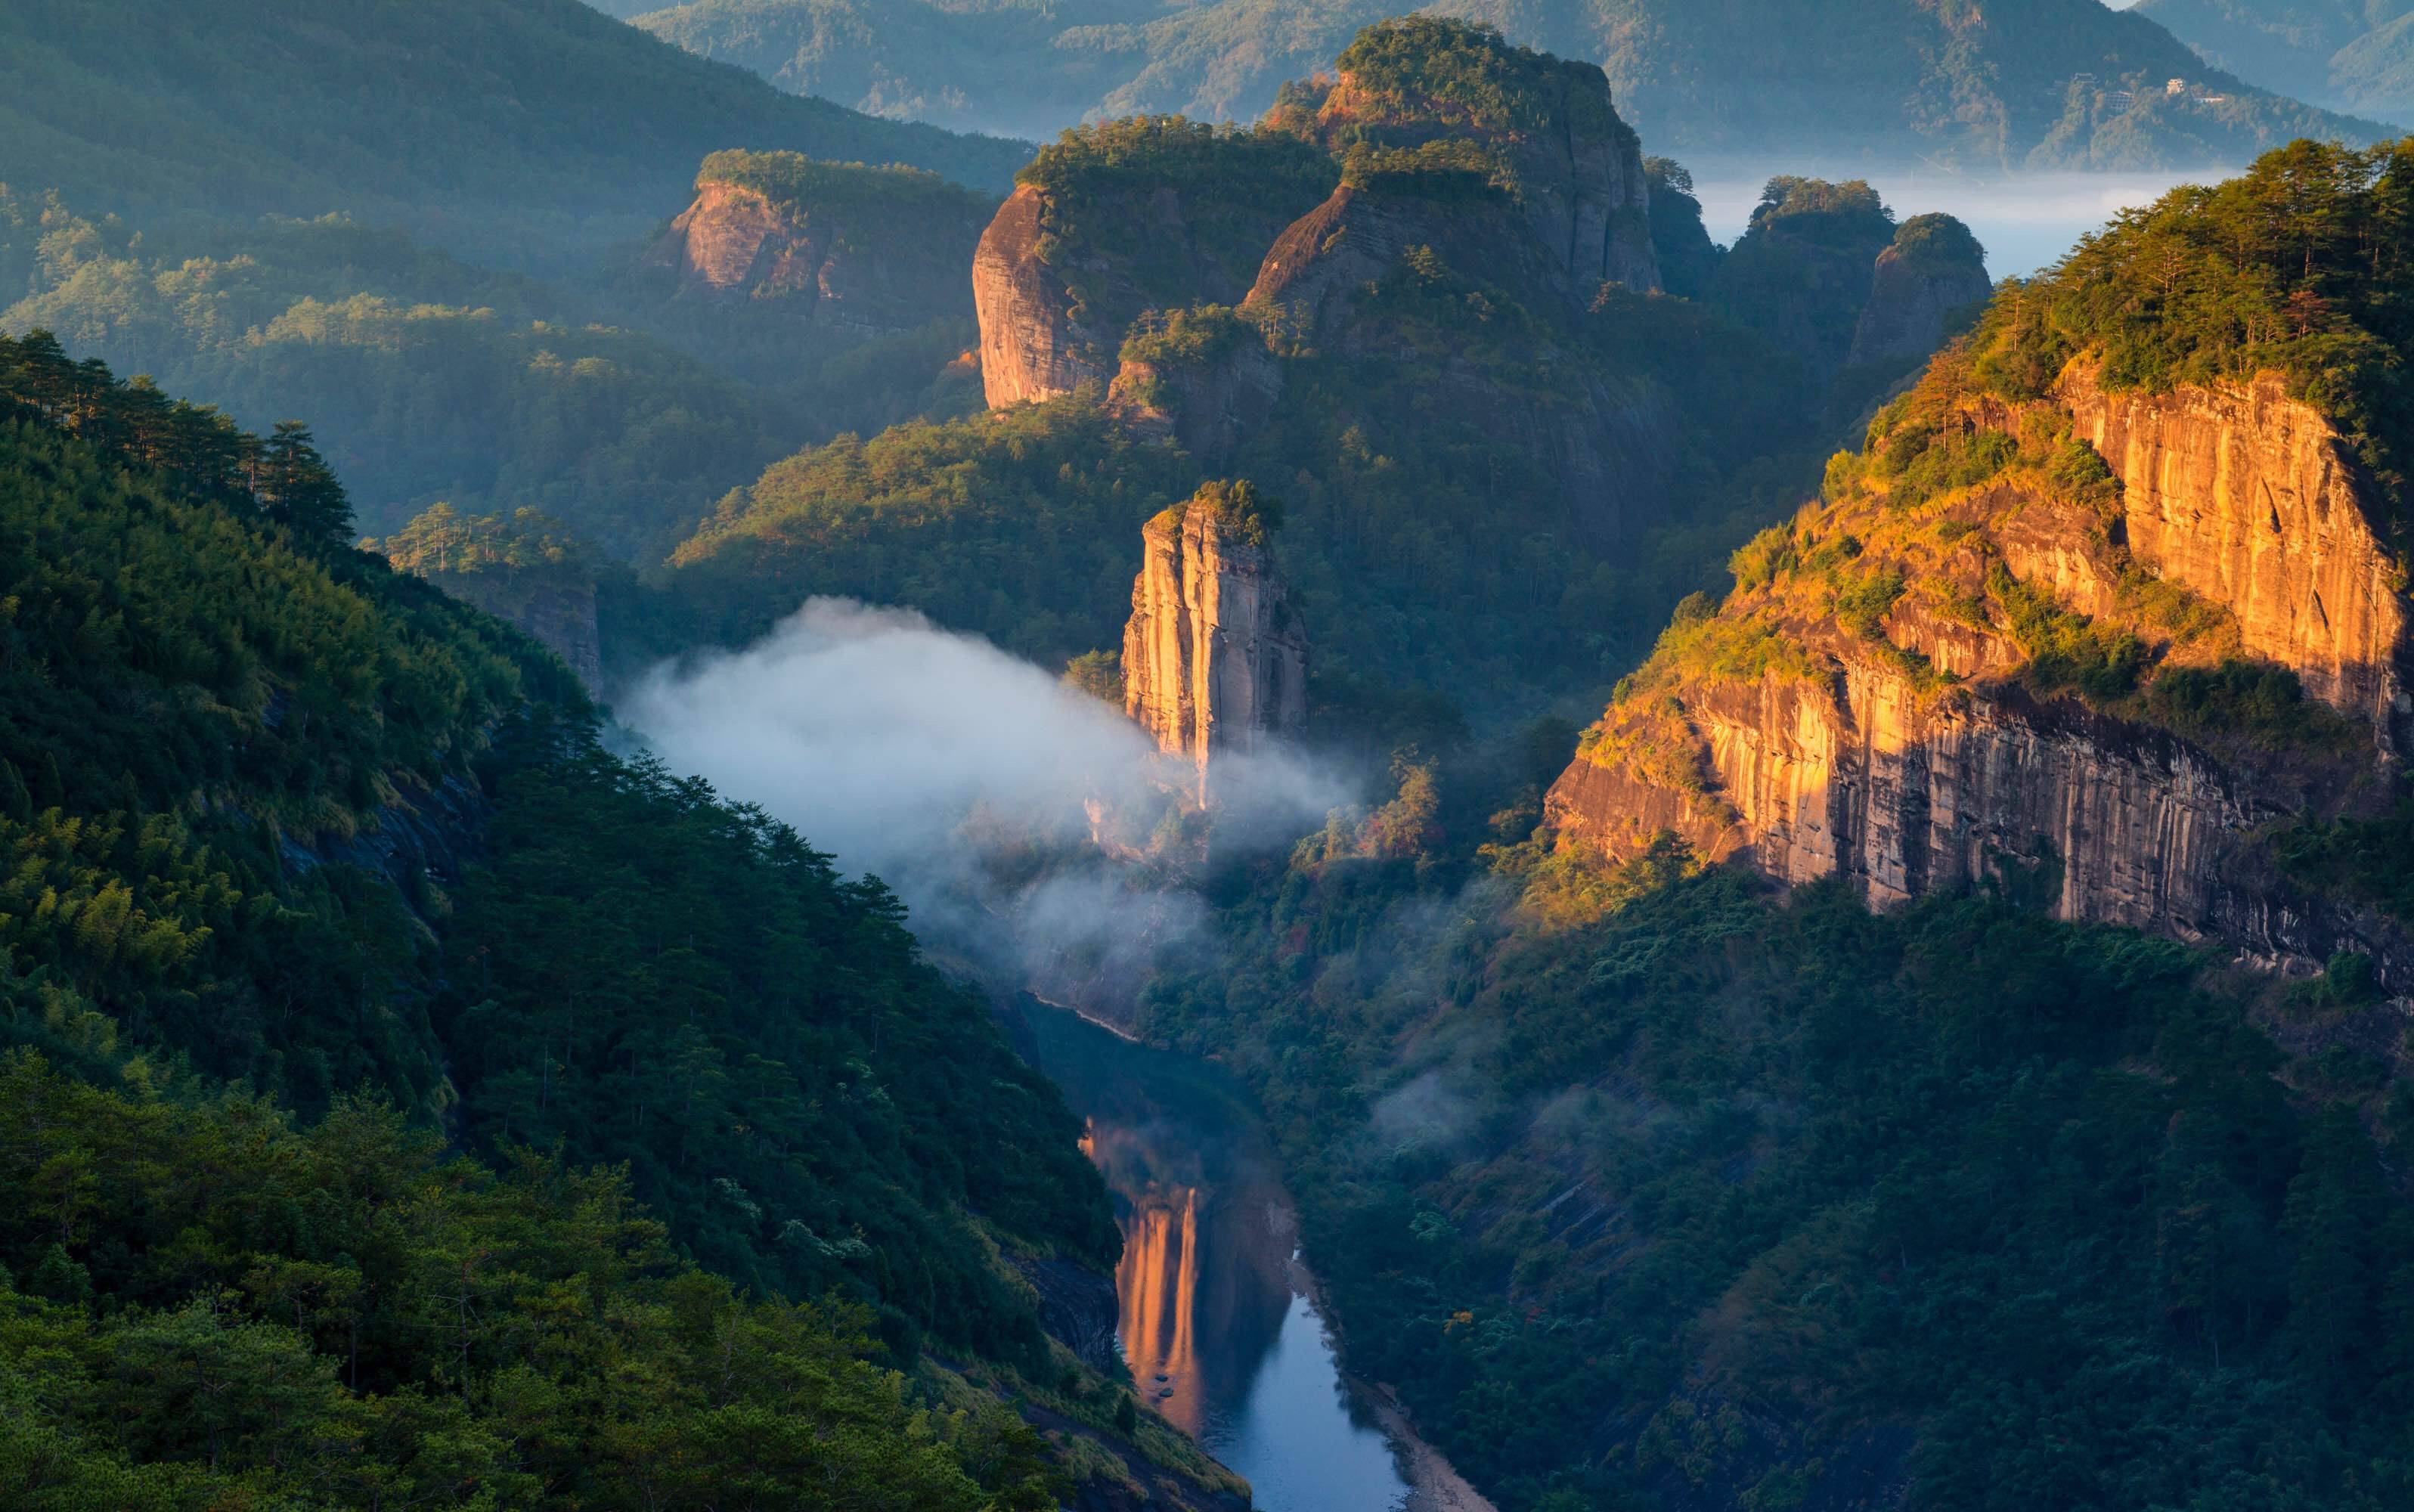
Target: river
x,y
1220,1323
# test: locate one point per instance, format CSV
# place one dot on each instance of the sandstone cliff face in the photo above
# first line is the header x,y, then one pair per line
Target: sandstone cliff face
x,y
1215,659
1909,301
1908,753
1861,774
2251,499
849,270
1033,347
1054,310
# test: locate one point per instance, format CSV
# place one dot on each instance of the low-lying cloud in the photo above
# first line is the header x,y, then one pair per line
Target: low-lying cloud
x,y
2027,221
970,780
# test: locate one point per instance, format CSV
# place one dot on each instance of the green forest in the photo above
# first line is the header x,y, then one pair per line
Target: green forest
x,y
1747,1194
417,1093
522,134
346,966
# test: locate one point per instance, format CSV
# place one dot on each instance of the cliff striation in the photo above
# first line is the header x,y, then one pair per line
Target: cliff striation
x,y
1215,659
2254,501
2089,651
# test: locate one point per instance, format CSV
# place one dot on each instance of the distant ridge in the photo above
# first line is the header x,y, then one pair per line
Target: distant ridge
x,y
516,129
2045,84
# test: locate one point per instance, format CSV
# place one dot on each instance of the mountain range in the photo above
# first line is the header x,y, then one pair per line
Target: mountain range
x,y
1798,853
518,131
2354,55
2048,84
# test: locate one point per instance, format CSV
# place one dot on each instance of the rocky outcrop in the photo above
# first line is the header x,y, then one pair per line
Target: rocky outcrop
x,y
1033,347
1088,247
1918,284
1577,169
1604,445
846,252
1214,657
1863,706
1803,273
1860,773
2253,500
1088,244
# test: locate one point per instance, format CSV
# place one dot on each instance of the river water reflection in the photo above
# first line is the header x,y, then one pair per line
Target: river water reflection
x,y
1218,1325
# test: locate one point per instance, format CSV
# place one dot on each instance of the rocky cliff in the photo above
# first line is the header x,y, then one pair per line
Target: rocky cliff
x,y
1934,269
2050,649
1215,659
1544,130
1157,214
1119,219
2253,500
844,251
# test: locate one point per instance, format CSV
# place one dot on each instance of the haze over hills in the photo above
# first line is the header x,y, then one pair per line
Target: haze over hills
x,y
516,131
1785,866
2054,84
2346,54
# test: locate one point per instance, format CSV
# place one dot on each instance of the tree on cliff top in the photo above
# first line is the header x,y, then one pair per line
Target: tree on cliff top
x,y
2303,265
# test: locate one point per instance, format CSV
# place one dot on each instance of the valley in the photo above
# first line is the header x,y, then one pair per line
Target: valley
x,y
1559,757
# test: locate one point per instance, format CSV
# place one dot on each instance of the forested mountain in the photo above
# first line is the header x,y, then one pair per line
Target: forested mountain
x,y
624,400
1872,1167
330,246
285,821
1874,973
1413,306
428,379
2052,83
517,132
2347,55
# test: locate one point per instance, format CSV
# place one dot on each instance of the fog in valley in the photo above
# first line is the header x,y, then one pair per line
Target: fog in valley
x,y
1028,824
2027,223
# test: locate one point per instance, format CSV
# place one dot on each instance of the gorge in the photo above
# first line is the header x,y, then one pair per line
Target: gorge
x,y
1394,809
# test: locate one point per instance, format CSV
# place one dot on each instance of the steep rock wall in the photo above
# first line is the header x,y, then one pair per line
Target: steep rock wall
x,y
1847,756
1053,311
1031,346
1215,659
805,266
1909,301
1861,775
2251,499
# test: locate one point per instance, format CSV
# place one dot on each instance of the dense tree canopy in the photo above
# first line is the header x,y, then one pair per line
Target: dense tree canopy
x,y
2303,265
1649,1187
279,814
